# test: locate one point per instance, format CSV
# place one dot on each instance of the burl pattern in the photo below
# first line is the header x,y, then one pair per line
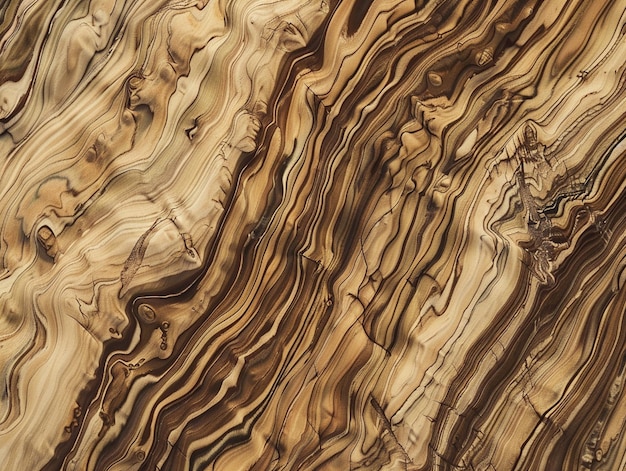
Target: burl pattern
x,y
312,235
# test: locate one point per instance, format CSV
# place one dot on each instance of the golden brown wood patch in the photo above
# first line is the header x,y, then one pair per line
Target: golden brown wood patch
x,y
312,235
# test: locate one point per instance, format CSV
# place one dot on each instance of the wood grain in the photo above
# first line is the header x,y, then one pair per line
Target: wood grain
x,y
312,235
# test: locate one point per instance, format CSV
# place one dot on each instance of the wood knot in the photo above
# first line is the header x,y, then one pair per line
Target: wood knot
x,y
146,313
48,241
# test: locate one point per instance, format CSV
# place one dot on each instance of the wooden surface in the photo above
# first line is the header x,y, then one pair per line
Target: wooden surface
x,y
312,235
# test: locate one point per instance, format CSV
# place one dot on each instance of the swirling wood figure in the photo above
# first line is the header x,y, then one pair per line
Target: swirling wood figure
x,y
312,235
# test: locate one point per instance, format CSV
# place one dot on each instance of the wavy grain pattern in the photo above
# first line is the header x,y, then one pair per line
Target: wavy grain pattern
x,y
312,235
